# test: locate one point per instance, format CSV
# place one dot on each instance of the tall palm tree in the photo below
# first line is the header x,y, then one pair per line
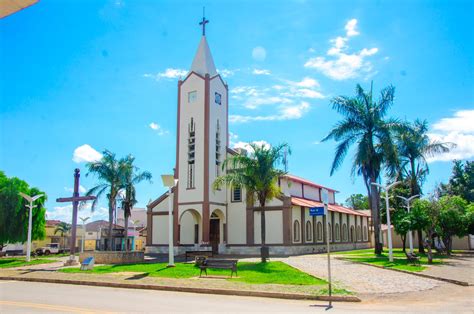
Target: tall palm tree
x,y
62,228
257,173
414,146
110,172
131,177
365,125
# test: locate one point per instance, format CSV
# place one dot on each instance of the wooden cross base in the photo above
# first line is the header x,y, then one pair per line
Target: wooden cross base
x,y
71,262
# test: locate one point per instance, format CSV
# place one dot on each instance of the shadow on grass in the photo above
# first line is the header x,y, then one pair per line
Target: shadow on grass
x,y
138,276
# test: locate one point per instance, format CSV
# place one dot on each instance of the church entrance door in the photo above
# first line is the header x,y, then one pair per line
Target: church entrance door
x,y
214,235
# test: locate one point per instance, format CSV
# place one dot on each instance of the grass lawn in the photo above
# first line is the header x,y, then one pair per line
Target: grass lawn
x,y
20,261
253,273
399,259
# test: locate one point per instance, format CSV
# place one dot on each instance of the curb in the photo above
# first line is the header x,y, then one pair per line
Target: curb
x,y
453,281
245,293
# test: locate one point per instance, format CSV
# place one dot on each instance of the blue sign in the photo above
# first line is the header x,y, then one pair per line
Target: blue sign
x,y
317,211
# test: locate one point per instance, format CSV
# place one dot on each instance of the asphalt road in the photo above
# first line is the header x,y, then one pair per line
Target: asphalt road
x,y
28,297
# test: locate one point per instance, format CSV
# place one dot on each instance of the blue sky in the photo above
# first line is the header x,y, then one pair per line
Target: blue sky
x,y
83,76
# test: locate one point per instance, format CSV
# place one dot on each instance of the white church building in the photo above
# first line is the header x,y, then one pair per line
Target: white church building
x,y
221,220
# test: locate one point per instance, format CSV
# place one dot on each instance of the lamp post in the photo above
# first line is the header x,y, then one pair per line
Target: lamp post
x,y
83,219
407,201
30,220
169,181
389,231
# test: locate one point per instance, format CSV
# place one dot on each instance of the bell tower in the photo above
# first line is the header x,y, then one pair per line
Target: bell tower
x,y
202,138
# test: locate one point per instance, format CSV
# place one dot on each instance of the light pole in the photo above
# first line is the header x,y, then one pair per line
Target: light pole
x,y
30,221
389,225
407,201
169,181
83,219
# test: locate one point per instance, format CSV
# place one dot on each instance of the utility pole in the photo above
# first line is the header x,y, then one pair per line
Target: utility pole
x,y
30,220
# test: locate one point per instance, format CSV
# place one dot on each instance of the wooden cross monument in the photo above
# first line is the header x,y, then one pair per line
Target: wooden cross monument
x,y
75,199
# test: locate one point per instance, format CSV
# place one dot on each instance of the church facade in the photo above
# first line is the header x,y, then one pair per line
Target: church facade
x,y
221,220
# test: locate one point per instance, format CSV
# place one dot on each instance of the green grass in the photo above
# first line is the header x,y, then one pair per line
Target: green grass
x,y
252,273
399,259
20,261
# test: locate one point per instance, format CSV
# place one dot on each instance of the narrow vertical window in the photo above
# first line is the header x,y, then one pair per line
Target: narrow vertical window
x,y
319,231
191,153
308,231
218,149
296,231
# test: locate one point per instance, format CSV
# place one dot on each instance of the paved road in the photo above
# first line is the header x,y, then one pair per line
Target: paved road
x,y
25,297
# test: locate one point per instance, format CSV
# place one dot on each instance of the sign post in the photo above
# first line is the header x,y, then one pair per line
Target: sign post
x,y
323,211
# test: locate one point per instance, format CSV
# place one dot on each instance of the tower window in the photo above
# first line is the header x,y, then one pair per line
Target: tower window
x,y
191,153
218,98
218,149
237,194
192,96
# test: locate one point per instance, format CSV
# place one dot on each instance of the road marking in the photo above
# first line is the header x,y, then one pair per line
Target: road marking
x,y
60,308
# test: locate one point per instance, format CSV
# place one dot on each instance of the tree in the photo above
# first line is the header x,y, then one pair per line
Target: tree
x,y
365,125
110,172
357,201
425,215
461,182
63,229
257,173
14,214
132,176
402,224
453,220
414,146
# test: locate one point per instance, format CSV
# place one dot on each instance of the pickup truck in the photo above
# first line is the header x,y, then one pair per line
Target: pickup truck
x,y
52,248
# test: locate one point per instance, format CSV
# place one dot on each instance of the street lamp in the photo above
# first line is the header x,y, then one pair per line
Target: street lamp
x,y
83,219
407,201
30,220
389,231
169,181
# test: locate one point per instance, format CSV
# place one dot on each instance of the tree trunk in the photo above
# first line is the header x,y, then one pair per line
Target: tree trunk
x,y
374,207
404,240
111,223
429,245
127,248
420,241
263,249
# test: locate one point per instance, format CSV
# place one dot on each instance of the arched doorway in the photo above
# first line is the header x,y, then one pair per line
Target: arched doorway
x,y
216,230
189,227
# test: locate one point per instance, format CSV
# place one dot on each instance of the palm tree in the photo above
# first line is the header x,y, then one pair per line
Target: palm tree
x,y
132,176
62,228
414,146
258,175
110,171
365,125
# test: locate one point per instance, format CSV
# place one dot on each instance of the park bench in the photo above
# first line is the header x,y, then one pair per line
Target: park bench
x,y
195,254
87,263
412,258
219,264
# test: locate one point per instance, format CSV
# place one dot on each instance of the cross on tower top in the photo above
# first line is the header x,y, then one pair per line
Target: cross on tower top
x,y
203,22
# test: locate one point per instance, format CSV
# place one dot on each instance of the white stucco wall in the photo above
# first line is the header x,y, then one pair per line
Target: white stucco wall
x,y
187,224
236,220
160,229
196,111
295,189
274,227
163,206
311,192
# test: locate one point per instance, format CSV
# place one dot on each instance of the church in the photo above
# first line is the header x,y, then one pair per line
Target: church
x,y
221,220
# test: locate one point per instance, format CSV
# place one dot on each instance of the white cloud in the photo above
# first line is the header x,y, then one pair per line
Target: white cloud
x,y
261,72
259,53
156,127
64,213
169,73
247,147
459,130
284,112
81,189
227,72
339,63
307,82
351,28
86,153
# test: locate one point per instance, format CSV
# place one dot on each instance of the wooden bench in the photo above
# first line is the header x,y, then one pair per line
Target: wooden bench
x,y
194,254
412,258
219,264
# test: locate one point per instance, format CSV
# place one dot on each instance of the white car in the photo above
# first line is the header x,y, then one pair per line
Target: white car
x,y
52,248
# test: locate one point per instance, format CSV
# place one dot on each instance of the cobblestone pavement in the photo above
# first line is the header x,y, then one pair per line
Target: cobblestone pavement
x,y
360,278
457,268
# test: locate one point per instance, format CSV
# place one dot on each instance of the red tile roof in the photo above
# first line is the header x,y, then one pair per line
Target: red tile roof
x,y
52,223
307,182
298,201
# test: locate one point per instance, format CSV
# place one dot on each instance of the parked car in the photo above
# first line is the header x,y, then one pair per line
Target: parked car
x,y
52,248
